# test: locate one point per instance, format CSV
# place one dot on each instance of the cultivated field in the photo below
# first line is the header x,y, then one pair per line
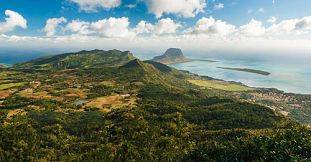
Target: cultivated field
x,y
220,86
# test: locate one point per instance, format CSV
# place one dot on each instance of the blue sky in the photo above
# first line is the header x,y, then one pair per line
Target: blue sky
x,y
235,11
152,21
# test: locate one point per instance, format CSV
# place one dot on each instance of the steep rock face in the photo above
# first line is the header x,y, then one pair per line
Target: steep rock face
x,y
171,56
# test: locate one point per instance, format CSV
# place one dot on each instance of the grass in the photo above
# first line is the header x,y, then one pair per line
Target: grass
x,y
5,93
220,86
3,75
106,104
10,85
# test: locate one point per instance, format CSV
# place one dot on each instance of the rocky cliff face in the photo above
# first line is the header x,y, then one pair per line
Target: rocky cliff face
x,y
171,56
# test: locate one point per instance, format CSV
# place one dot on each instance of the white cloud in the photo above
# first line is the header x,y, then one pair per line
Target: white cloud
x,y
183,8
303,25
284,27
93,5
78,26
166,26
143,27
131,5
52,25
262,10
212,27
167,32
109,28
291,27
219,6
113,27
16,38
12,21
163,26
253,28
272,20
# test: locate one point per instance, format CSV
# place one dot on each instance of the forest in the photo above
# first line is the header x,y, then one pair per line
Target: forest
x,y
134,111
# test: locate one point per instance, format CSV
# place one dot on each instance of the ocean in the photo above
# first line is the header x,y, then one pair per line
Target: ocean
x,y
292,77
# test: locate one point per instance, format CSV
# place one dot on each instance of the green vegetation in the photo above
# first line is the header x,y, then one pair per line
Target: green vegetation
x,y
3,66
220,86
83,59
295,106
10,85
135,111
247,70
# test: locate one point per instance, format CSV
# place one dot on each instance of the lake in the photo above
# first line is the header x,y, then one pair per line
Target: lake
x,y
286,76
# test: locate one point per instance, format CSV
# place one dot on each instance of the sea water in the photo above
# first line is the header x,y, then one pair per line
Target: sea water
x,y
293,77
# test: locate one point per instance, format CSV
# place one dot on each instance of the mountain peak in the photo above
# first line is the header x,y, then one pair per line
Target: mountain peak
x,y
133,64
173,52
171,56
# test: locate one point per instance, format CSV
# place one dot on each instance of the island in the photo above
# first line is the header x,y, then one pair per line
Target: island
x,y
261,72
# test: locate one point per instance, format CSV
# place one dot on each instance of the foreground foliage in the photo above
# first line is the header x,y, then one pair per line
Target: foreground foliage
x,y
48,119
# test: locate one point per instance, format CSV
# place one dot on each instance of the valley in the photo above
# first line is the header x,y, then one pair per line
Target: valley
x,y
155,81
110,106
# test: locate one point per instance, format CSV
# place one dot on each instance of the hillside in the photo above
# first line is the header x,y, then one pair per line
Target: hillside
x,y
82,59
2,66
114,107
171,56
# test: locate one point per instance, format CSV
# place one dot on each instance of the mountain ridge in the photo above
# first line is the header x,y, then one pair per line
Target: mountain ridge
x,y
82,59
115,107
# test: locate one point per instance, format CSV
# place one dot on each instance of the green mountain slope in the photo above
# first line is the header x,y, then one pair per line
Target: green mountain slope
x,y
154,73
83,59
131,110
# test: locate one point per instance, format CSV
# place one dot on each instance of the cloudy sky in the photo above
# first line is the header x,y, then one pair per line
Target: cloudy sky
x,y
271,26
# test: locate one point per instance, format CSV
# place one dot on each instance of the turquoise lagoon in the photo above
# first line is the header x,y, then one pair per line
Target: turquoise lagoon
x,y
286,76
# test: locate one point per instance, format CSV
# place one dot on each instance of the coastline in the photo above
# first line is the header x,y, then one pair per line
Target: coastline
x,y
294,81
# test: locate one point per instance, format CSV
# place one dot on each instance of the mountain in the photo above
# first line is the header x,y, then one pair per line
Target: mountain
x,y
151,72
82,59
110,106
171,56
